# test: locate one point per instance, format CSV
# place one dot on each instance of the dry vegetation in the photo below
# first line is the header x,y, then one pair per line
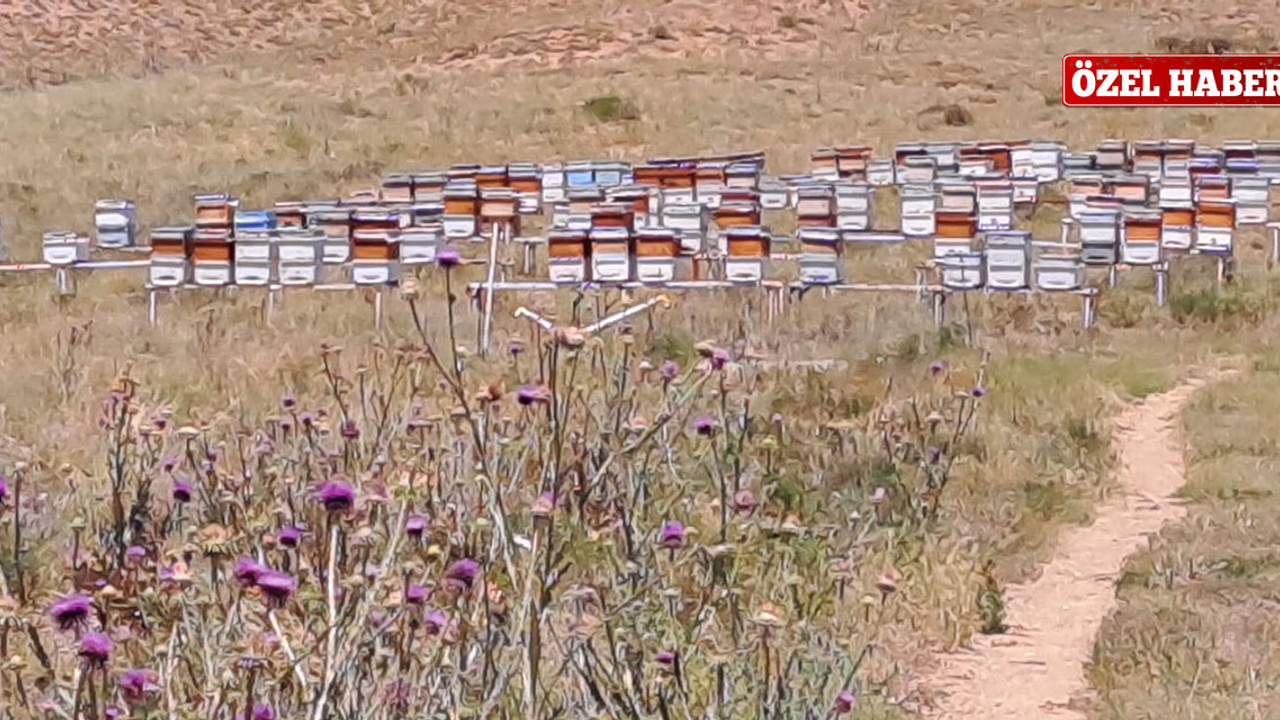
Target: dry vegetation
x,y
323,102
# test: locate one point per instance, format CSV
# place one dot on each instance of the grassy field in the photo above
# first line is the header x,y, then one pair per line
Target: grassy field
x,y
1191,637
352,90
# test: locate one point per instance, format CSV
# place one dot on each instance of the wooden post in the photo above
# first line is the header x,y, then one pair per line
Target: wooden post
x,y
486,329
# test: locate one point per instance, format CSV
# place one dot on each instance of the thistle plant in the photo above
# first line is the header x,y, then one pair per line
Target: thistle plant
x,y
607,539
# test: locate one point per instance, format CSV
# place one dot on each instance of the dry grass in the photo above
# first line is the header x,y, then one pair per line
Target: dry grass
x,y
322,108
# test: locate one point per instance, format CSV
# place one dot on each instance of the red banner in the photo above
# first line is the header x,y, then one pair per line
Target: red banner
x,y
1170,80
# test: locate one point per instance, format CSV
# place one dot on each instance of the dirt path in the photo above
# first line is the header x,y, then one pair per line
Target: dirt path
x,y
1036,670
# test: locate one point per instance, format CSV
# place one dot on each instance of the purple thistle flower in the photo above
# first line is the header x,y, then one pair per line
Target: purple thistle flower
x,y
776,418
448,258
247,571
135,554
290,536
705,424
169,463
744,501
349,430
844,702
288,402
436,622
276,587
935,454
262,711
669,370
4,488
673,534
159,422
719,358
95,648
415,526
463,573
665,658
936,368
336,495
307,419
111,712
71,610
515,347
416,594
181,491
530,394
979,391
135,684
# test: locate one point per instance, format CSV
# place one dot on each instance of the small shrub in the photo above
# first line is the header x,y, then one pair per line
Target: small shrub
x,y
991,605
1213,305
611,108
788,22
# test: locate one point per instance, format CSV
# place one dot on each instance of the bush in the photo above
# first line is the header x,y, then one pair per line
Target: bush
x,y
611,108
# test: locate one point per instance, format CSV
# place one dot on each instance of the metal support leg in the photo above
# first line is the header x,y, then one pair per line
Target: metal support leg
x,y
939,307
66,283
527,268
1090,307
377,307
1162,283
271,303
152,305
1113,275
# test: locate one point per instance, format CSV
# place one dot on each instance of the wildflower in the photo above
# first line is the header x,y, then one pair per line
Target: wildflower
x,y
135,554
349,430
111,712
276,587
936,368
135,684
262,711
978,391
169,463
436,622
415,526
844,702
307,419
744,501
669,370
935,454
181,491
673,535
336,495
290,536
666,658
71,610
543,506
776,418
416,594
95,648
288,402
530,394
719,358
463,572
448,258
4,488
247,571
515,347
705,425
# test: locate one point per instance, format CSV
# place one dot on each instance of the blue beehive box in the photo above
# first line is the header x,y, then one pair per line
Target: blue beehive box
x,y
254,221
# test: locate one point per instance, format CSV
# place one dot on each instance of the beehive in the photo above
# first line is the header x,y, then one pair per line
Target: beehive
x,y
170,255
1215,227
115,223
567,253
821,255
1140,237
212,253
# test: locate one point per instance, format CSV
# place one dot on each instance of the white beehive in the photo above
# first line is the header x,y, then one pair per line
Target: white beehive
x,y
1099,236
170,256
254,257
212,254
962,272
747,250
567,254
1059,273
116,224
821,256
65,248
1252,199
658,256
299,255
917,204
995,205
1140,237
1215,227
1008,258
